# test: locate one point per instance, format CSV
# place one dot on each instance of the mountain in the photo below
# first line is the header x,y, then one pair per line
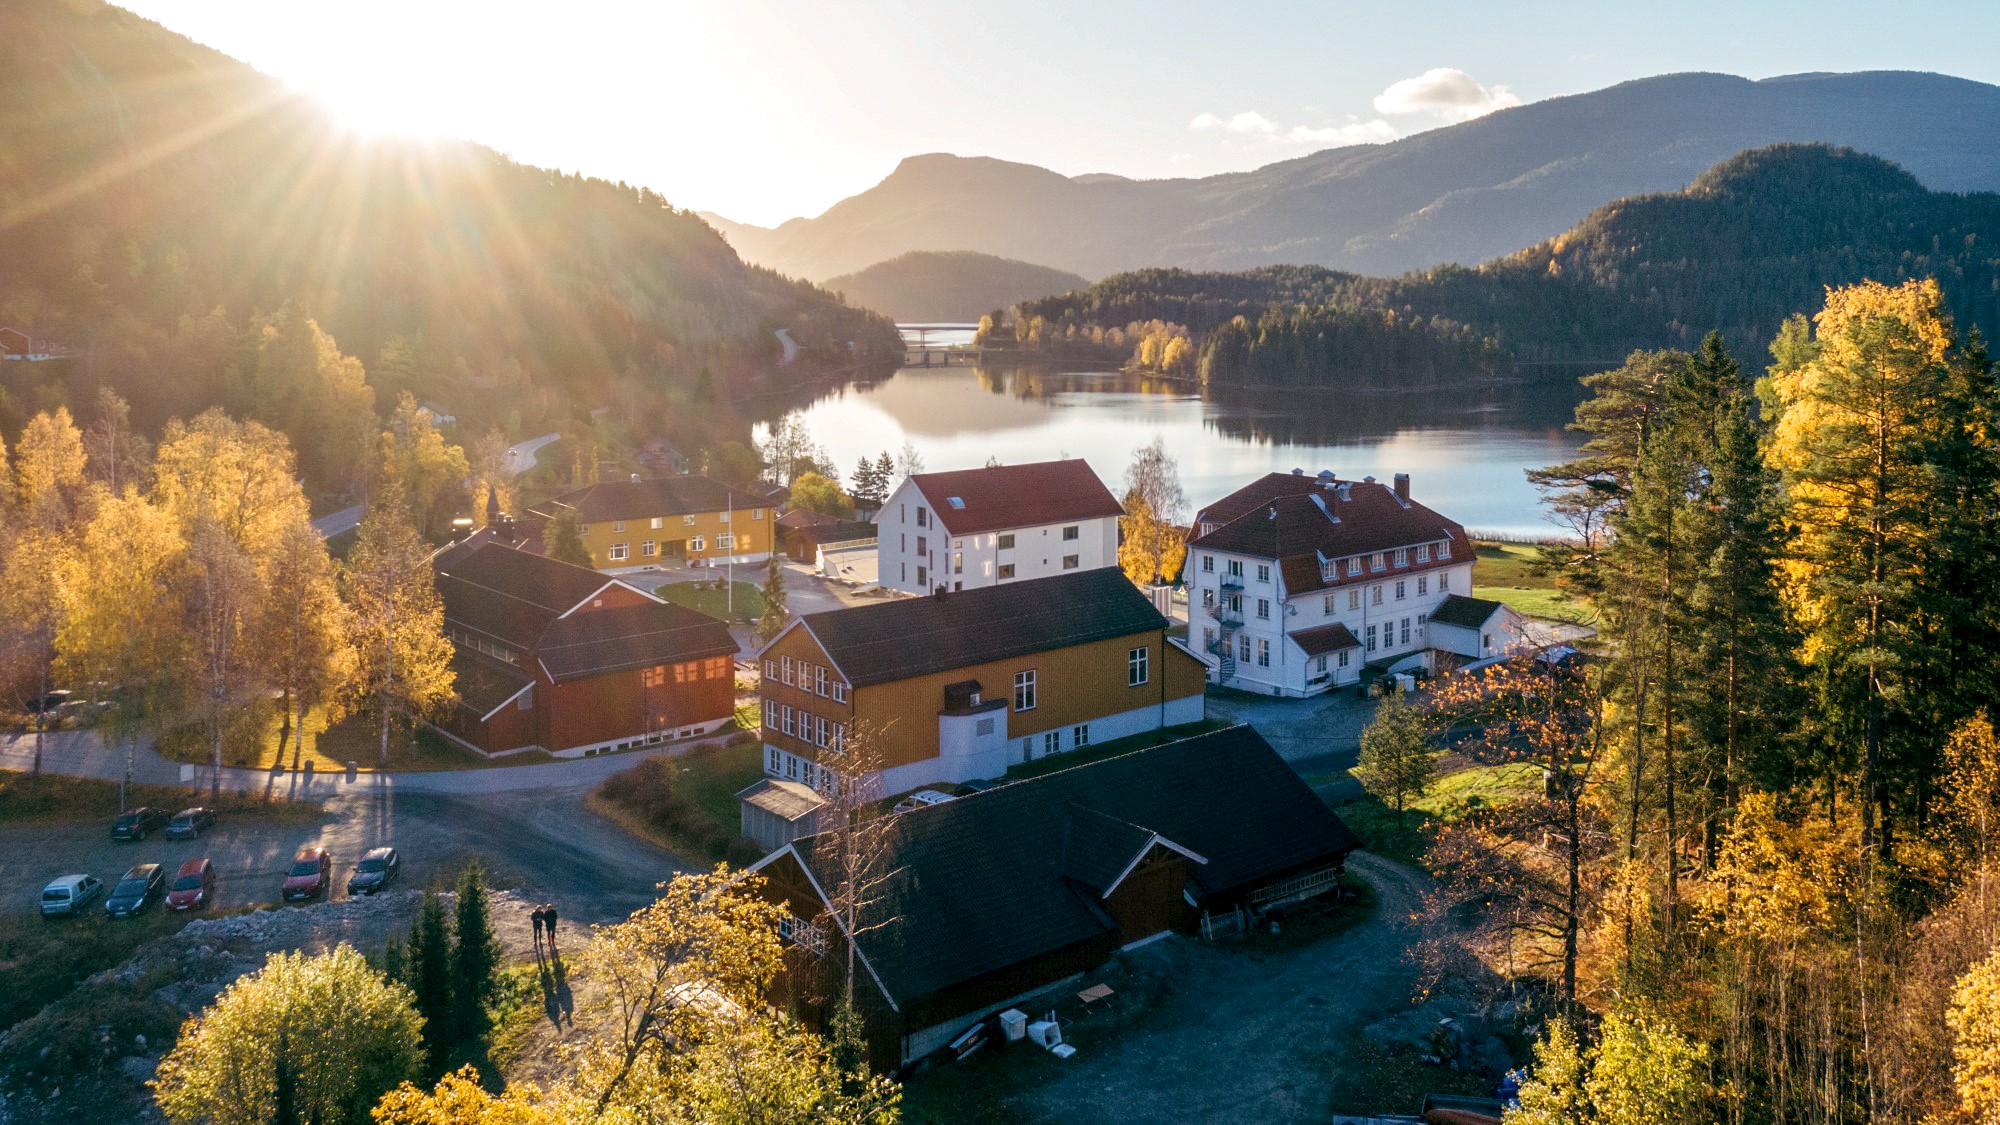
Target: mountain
x,y
960,285
1751,241
1465,193
165,207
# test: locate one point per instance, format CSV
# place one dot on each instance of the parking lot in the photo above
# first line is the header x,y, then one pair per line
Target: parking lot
x,y
543,840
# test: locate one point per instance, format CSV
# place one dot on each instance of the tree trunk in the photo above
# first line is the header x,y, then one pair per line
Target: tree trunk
x,y
284,728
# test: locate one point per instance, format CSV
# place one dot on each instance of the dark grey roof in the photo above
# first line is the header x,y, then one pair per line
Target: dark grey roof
x,y
787,800
484,683
610,640
1469,613
894,640
996,878
664,496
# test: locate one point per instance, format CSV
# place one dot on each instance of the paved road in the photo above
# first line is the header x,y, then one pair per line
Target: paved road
x,y
521,456
346,519
785,341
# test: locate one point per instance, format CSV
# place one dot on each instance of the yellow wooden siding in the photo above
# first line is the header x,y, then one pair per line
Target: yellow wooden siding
x,y
754,527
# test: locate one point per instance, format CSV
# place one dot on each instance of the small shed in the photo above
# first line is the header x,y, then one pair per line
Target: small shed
x,y
1474,628
777,812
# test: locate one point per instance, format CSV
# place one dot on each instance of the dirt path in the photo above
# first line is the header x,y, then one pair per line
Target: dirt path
x,y
1243,1032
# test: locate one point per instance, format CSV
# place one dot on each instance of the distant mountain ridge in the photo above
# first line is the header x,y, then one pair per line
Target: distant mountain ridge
x,y
956,285
1465,193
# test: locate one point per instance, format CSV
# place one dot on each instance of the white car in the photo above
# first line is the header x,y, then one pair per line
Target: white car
x,y
69,894
920,799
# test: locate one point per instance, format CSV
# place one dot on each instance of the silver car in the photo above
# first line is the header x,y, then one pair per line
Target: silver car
x,y
69,894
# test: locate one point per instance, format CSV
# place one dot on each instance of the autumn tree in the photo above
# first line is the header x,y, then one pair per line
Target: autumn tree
x,y
48,468
1553,1093
459,1099
1974,1019
241,475
1397,762
492,481
314,1037
403,659
562,538
36,575
222,601
114,454
812,492
421,466
788,451
300,383
305,633
1154,546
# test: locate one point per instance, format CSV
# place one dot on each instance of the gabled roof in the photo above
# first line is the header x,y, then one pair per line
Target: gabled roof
x,y
485,685
1301,520
894,640
997,878
995,498
1469,613
636,636
1324,639
662,496
787,800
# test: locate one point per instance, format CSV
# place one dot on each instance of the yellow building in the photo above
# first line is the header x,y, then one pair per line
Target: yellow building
x,y
634,523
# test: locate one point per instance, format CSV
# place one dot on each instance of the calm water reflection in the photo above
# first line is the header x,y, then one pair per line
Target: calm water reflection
x,y
1465,450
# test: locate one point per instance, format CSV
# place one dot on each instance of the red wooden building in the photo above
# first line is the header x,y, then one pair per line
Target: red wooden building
x,y
560,658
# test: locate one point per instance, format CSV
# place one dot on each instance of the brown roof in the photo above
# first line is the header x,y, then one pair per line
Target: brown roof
x,y
972,501
1304,519
1325,639
663,496
894,640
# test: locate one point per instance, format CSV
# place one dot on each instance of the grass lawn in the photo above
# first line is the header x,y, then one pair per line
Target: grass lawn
x,y
1451,796
707,598
1102,750
1508,572
254,742
49,799
686,805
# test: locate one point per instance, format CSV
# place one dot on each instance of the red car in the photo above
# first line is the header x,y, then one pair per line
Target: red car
x,y
193,887
310,873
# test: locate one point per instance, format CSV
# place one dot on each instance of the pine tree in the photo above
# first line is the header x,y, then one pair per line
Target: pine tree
x,y
1396,761
775,613
474,957
429,975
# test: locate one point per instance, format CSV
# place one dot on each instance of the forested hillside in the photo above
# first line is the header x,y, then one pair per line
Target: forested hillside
x,y
1750,242
926,285
167,212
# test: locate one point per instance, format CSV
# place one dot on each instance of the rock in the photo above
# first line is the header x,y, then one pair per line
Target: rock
x,y
139,1041
138,1068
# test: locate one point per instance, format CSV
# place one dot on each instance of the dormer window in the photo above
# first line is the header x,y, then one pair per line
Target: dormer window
x,y
1402,556
1354,567
1444,549
1378,561
1424,553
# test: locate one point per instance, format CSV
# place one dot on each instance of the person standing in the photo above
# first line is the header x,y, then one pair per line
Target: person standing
x,y
539,917
549,923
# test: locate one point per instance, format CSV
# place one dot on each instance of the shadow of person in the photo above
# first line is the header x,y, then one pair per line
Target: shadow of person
x,y
565,1000
551,1001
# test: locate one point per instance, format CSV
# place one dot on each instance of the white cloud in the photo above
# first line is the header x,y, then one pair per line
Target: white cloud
x,y
1255,126
1445,92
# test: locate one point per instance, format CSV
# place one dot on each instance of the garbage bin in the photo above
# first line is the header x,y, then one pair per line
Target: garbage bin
x,y
1014,1024
353,769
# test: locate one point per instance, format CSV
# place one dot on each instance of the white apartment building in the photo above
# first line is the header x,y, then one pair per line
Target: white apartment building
x,y
972,528
1297,583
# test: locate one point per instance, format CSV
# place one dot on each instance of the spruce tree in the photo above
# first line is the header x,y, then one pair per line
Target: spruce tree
x,y
562,539
429,976
474,957
775,613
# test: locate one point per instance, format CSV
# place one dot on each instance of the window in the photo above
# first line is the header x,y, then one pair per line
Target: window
x,y
1208,564
840,691
770,714
1208,597
655,676
1406,632
1326,606
924,576
1354,566
1444,581
1208,640
957,562
1444,550
1138,668
1400,589
785,676
728,516
785,718
1024,690
839,736
758,514
772,761
1423,584
1071,562
1375,595
697,543
1243,647
687,521
1005,542
1264,608
1079,736
1421,618
1235,568
724,541
743,540
1354,599
620,551
923,516
1402,556
770,669
657,522
819,679
649,548
617,526
1424,552
923,545
1343,658
1263,572
1263,653
1072,533
1377,562
1006,570
791,768
1371,638
1051,743
822,732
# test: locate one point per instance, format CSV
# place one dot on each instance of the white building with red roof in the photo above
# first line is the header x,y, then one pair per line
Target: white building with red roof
x,y
1299,583
971,528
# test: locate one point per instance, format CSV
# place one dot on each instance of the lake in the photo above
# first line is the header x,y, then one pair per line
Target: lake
x,y
1465,450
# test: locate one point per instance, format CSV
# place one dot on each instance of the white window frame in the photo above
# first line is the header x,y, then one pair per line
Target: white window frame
x,y
1263,652
649,549
819,679
839,691
1079,736
1402,557
619,552
1423,552
724,541
1139,666
785,670
1444,549
1025,687
697,543
1354,567
617,526
656,523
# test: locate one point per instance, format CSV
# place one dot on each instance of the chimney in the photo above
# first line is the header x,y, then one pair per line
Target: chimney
x,y
1403,487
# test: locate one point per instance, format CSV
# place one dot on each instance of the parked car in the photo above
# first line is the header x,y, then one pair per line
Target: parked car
x,y
310,874
920,799
190,823
137,824
134,893
194,886
375,872
976,785
69,894
48,702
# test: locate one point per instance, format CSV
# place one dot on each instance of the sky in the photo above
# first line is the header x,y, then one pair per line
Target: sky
x,y
762,110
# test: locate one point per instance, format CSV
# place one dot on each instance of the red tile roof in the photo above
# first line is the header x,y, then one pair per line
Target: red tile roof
x,y
1004,496
1322,518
